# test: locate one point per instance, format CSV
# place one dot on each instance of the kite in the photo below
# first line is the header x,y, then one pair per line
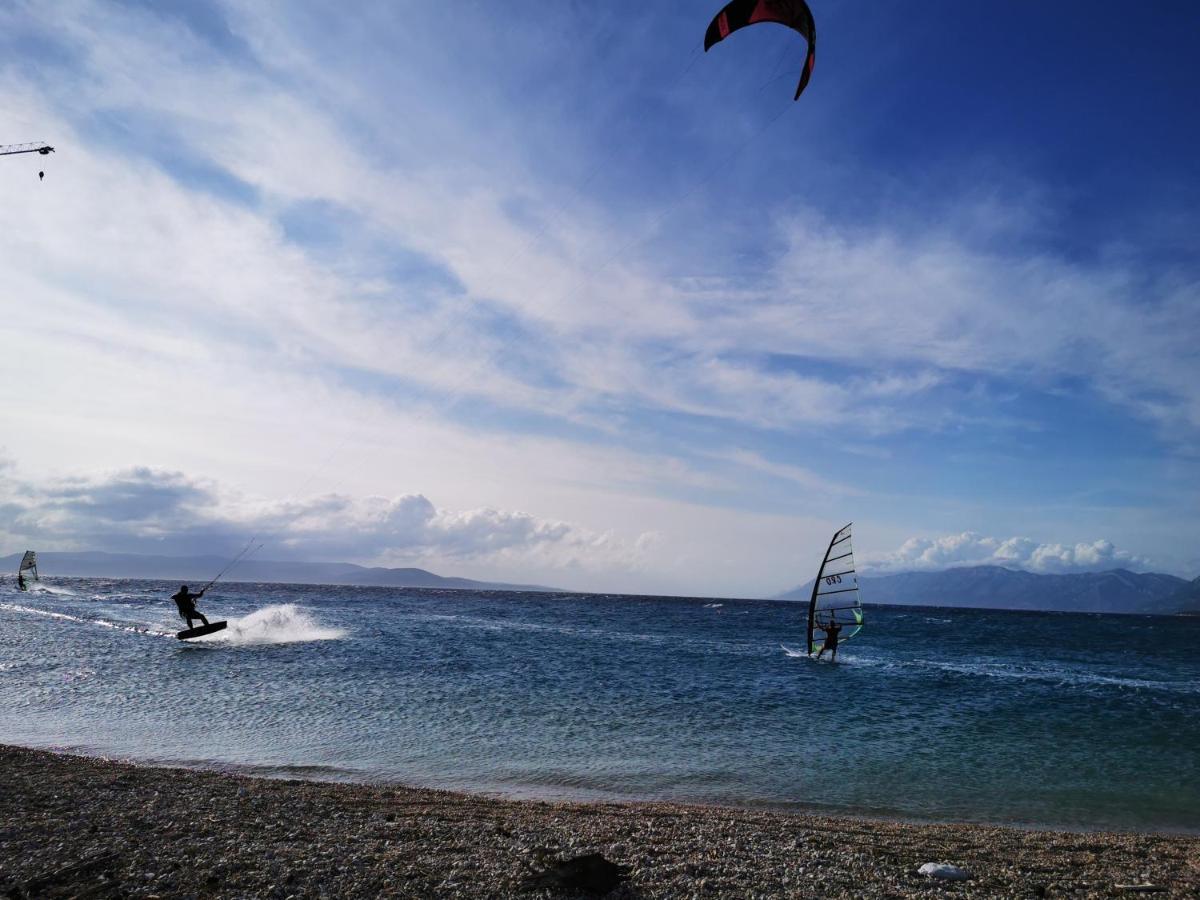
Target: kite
x,y
795,14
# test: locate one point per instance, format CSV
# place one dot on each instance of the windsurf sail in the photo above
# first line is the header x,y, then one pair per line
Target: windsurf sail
x,y
835,593
28,569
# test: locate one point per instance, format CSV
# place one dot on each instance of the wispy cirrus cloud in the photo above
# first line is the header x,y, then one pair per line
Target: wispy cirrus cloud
x,y
608,323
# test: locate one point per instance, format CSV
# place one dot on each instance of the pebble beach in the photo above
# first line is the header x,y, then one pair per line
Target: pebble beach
x,y
75,826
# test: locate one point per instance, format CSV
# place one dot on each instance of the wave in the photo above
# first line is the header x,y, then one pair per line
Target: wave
x,y
17,607
278,624
103,623
39,587
477,623
283,623
1059,676
736,646
1010,670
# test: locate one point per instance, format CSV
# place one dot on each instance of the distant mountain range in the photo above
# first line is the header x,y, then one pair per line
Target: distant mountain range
x,y
1189,598
196,570
994,587
981,587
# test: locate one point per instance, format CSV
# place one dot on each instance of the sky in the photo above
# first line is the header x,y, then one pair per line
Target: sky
x,y
542,292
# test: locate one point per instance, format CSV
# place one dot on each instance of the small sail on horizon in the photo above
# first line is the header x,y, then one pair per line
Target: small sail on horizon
x,y
835,594
27,570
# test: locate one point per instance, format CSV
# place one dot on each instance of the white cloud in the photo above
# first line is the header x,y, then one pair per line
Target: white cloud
x,y
143,510
972,549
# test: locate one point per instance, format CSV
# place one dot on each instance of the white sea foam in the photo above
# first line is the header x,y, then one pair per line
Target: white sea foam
x,y
283,623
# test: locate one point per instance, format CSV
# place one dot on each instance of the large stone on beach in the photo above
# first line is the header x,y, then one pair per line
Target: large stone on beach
x,y
943,870
587,874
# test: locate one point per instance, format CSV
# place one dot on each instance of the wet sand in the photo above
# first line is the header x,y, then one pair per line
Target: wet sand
x,y
81,827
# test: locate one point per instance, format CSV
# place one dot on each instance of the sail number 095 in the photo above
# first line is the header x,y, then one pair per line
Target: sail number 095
x,y
833,579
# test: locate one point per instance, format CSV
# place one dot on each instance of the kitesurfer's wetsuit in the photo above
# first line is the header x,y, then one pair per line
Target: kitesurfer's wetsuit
x,y
186,601
832,630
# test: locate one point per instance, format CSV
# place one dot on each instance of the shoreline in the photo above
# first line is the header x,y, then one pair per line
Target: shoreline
x,y
326,774
76,825
334,775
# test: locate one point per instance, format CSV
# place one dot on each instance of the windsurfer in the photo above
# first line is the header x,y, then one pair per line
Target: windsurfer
x,y
832,629
186,601
21,582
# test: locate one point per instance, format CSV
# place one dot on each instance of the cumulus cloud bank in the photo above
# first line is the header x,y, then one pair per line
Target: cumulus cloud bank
x,y
972,549
146,510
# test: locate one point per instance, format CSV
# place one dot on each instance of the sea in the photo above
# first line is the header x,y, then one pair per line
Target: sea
x,y
1036,719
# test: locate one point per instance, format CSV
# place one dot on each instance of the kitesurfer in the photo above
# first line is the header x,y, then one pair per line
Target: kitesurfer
x,y
186,601
832,629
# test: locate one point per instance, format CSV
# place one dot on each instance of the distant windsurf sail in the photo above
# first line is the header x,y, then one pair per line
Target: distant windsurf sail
x,y
835,593
28,569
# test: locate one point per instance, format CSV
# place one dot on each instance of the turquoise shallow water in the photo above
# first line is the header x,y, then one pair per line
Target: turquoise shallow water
x,y
1038,718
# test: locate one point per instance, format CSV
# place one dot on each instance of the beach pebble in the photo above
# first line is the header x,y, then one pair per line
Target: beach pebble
x,y
943,870
464,847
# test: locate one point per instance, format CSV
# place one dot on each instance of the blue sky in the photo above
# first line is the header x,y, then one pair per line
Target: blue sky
x,y
544,292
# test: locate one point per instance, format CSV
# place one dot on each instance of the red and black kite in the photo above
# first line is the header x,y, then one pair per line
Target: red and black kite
x,y
795,14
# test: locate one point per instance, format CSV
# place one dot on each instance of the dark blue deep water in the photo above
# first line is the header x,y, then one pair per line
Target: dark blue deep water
x,y
1041,718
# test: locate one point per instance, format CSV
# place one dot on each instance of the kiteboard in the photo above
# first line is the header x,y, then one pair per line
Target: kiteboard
x,y
201,631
